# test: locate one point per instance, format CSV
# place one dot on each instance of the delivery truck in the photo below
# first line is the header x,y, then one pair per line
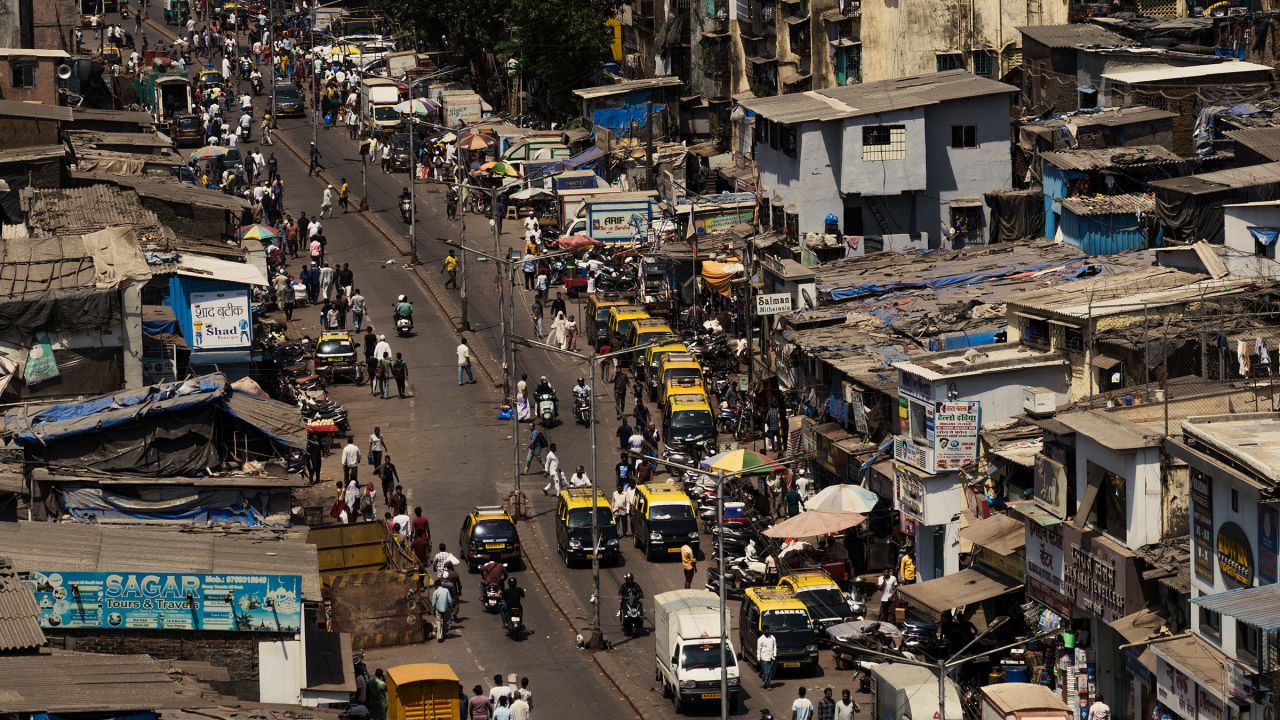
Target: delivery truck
x,y
378,99
165,90
910,692
688,634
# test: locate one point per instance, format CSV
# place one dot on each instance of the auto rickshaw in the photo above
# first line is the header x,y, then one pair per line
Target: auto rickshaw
x,y
424,691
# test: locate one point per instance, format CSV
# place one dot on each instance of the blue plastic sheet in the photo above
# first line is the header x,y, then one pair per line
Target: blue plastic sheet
x,y
618,121
960,280
1266,236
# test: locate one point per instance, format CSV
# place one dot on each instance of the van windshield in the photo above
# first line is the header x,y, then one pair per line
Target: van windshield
x,y
782,620
581,517
673,511
706,655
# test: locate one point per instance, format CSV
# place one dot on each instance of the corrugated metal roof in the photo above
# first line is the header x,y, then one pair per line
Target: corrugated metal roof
x,y
1110,432
99,548
1222,180
999,533
1116,294
1074,35
19,616
862,99
84,210
1189,72
37,111
1256,606
1099,158
1263,140
1110,205
81,682
628,86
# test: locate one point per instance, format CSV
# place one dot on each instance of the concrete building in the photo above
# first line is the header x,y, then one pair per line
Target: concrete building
x,y
30,24
912,155
31,75
1250,231
1049,65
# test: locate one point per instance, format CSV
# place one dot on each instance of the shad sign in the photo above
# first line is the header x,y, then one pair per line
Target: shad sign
x,y
220,320
168,601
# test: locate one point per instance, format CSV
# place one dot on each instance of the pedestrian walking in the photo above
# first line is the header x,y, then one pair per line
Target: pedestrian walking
x,y
326,281
555,474
689,563
571,334
357,309
766,656
533,450
344,195
370,363
386,158
478,705
350,461
887,584
264,133
846,709
450,267
620,395
273,165
384,370
529,266
535,313
442,604
314,166
376,447
376,696
624,433
827,705
464,362
802,707
622,510
389,475
326,202
399,373
291,236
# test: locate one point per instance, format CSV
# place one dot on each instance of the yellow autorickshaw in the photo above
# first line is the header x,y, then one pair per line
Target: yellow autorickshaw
x,y
424,691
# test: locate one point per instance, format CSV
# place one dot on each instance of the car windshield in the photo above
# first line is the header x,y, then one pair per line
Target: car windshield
x,y
189,123
706,655
211,78
822,597
494,531
581,517
287,92
385,112
672,511
335,347
682,373
691,420
781,620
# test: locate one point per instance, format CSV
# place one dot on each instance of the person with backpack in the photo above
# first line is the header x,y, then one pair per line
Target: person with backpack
x,y
537,443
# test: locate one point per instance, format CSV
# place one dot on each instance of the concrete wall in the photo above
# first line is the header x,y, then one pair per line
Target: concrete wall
x,y
45,89
807,180
235,651
1001,392
965,172
25,132
884,177
1141,471
1236,223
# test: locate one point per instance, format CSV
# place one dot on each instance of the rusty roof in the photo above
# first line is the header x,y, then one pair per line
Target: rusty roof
x,y
1087,206
1263,140
1100,158
83,682
1074,35
84,210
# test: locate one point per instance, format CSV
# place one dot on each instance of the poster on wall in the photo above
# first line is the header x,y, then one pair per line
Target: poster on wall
x,y
1050,486
220,320
167,601
955,434
1268,543
1174,689
1235,556
1202,526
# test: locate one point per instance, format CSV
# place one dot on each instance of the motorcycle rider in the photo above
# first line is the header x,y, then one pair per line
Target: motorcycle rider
x,y
246,123
406,200
544,387
629,588
582,391
403,309
512,599
492,573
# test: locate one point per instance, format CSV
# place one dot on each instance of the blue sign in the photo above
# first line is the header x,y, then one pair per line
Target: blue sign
x,y
1268,543
168,601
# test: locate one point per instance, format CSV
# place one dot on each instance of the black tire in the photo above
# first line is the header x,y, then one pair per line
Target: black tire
x,y
733,704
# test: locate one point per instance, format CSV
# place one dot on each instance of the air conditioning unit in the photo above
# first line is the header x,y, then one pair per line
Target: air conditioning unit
x,y
1039,402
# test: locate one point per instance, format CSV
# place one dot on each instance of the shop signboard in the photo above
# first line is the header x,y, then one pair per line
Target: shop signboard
x,y
1050,486
1045,566
1174,689
167,601
1100,577
773,303
1202,526
220,320
1208,707
908,452
1235,556
955,434
910,492
1268,543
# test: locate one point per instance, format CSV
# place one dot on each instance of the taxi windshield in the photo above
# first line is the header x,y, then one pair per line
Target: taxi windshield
x,y
581,517
494,531
673,511
829,598
782,620
334,347
691,420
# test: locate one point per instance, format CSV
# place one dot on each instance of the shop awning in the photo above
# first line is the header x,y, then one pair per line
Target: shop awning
x,y
592,153
1140,626
933,597
1000,534
1196,658
1103,361
1256,606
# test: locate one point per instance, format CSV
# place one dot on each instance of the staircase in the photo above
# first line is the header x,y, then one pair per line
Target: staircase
x,y
886,228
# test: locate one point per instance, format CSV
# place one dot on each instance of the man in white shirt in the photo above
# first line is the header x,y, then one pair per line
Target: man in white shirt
x,y
888,585
766,653
622,511
498,690
404,525
802,708
464,362
579,479
1099,710
846,708
555,475
350,460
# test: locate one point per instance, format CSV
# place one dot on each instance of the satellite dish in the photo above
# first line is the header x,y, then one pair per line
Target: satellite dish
x,y
64,72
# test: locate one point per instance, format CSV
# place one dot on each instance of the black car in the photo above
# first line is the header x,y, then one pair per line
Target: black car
x,y
188,131
289,102
400,152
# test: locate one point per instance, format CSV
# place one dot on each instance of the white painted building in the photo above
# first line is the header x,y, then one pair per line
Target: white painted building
x,y
911,155
1250,232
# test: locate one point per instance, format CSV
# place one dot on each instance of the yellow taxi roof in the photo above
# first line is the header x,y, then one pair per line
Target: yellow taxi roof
x,y
651,324
628,310
418,672
600,302
334,335
775,598
675,346
658,492
488,512
581,497
680,358
809,578
689,401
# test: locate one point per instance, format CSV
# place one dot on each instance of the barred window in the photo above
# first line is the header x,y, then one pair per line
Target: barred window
x,y
884,142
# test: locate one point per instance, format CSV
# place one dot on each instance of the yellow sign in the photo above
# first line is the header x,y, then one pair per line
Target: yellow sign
x,y
615,42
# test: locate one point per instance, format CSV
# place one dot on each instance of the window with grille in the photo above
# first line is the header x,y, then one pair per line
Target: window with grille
x,y
950,61
1035,332
984,63
24,75
884,142
1073,338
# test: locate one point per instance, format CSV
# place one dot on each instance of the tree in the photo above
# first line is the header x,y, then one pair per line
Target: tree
x,y
560,46
470,27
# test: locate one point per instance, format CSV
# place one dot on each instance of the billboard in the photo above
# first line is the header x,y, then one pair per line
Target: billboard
x,y
167,601
955,434
220,320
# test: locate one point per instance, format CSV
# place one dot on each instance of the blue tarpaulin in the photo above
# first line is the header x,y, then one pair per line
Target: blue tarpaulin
x,y
159,327
1266,236
69,419
960,280
618,121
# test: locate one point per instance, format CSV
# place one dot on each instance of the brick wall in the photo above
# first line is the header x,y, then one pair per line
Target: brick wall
x,y
237,652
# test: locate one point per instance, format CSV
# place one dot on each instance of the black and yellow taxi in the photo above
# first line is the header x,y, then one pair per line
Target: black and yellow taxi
x,y
825,600
683,385
647,368
573,528
188,131
688,424
209,79
779,610
621,317
489,533
335,357
672,365
646,331
663,520
597,315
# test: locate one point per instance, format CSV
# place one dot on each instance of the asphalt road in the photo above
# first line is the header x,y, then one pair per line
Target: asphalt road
x,y
452,453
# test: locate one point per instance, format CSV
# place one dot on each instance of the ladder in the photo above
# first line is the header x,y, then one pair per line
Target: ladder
x,y
871,204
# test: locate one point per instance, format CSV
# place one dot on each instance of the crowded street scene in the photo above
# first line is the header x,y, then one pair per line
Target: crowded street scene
x,y
793,359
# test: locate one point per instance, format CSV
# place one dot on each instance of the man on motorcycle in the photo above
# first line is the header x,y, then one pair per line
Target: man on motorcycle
x,y
582,391
492,573
544,387
246,123
404,308
512,599
629,588
406,204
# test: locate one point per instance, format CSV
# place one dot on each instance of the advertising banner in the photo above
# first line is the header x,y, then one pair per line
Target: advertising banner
x,y
168,601
1202,526
955,434
1268,543
220,320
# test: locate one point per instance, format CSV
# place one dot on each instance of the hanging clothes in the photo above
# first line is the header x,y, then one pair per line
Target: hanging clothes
x,y
1242,356
1264,357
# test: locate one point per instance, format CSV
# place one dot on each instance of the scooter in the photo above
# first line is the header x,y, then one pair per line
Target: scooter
x,y
515,630
546,404
632,614
245,132
257,86
406,208
492,597
582,411
404,326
